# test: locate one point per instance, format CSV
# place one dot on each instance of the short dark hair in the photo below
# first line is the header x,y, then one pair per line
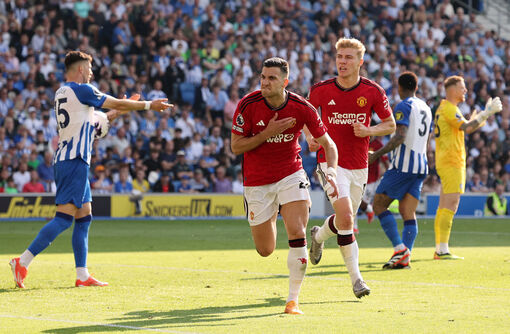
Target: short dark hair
x,y
277,62
408,81
76,56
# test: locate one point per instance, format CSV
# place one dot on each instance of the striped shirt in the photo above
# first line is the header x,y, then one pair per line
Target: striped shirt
x,y
74,108
411,155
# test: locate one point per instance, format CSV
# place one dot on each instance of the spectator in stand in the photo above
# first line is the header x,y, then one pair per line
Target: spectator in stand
x,y
21,176
33,186
11,188
164,184
4,175
168,157
199,183
221,183
237,184
181,167
185,122
185,185
123,185
46,172
431,185
100,182
153,162
140,183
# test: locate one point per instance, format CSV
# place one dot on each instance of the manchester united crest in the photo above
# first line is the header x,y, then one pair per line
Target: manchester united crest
x,y
361,101
252,215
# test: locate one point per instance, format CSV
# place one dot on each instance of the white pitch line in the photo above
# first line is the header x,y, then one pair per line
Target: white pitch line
x,y
94,324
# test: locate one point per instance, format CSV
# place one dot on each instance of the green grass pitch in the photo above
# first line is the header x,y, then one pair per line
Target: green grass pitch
x,y
205,277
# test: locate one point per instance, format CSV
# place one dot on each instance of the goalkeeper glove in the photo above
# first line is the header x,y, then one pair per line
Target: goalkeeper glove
x,y
493,106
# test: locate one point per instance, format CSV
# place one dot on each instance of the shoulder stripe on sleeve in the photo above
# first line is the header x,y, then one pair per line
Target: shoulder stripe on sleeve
x,y
373,84
245,105
249,98
322,83
302,101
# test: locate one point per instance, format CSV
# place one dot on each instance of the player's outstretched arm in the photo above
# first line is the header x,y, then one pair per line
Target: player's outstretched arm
x,y
157,105
242,144
396,140
477,120
386,127
331,153
114,113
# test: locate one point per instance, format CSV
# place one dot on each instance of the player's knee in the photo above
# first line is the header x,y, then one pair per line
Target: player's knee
x,y
378,206
343,220
265,251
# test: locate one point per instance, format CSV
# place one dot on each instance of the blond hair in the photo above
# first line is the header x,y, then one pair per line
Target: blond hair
x,y
351,43
452,81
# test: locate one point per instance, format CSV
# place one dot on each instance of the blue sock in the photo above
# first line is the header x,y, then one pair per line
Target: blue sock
x,y
50,231
81,240
389,225
409,233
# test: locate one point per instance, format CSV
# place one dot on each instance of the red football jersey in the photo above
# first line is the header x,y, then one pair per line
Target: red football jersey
x,y
279,156
374,169
340,108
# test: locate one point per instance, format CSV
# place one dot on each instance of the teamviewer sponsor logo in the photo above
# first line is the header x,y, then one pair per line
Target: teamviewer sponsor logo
x,y
351,118
281,138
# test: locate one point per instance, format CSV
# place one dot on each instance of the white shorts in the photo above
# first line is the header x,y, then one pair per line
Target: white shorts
x,y
351,183
262,202
368,196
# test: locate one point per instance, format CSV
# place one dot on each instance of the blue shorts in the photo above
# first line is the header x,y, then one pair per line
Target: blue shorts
x,y
395,184
72,180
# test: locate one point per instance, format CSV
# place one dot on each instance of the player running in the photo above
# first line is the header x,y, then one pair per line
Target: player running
x,y
408,168
266,127
346,103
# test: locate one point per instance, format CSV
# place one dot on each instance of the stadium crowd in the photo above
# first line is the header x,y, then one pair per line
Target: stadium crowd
x,y
203,56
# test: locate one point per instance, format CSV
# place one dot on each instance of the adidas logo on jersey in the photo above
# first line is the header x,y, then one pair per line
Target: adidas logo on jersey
x,y
261,123
332,103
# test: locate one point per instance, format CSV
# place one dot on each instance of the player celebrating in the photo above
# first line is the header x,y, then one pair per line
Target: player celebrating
x,y
346,103
408,168
266,128
451,157
74,107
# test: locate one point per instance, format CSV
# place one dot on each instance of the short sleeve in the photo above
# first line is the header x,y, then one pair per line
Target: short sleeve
x,y
314,123
89,95
240,122
453,118
382,106
402,112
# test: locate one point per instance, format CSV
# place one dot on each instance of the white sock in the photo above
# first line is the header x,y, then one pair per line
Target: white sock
x,y
325,232
82,273
297,261
350,253
399,247
443,248
369,208
26,258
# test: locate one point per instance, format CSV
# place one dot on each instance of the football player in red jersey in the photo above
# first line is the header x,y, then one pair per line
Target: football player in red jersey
x,y
346,104
266,126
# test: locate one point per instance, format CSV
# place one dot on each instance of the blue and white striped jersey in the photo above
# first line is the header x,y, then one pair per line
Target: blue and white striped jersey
x,y
411,155
74,108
